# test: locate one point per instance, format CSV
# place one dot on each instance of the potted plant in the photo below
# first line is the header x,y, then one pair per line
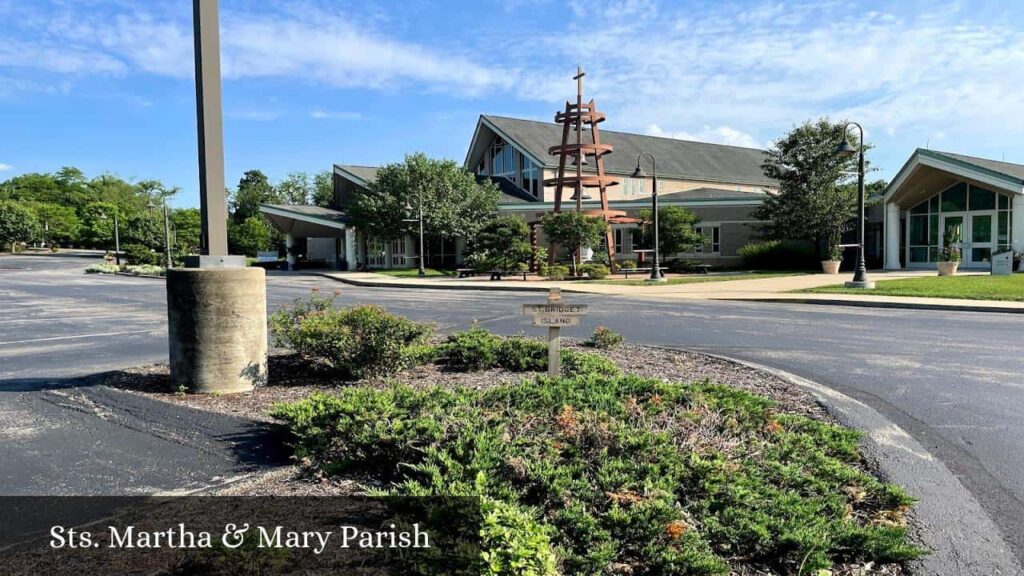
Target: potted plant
x,y
835,258
949,258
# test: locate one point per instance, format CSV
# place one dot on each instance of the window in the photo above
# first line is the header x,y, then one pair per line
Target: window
x,y
375,255
712,240
398,253
620,234
954,198
531,180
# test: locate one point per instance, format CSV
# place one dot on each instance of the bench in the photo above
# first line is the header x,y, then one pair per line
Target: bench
x,y
497,274
466,272
704,268
640,271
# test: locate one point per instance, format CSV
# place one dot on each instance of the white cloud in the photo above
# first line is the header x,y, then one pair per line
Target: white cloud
x,y
5,167
720,135
335,115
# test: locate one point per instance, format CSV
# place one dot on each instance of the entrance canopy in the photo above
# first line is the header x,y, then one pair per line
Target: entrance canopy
x,y
306,221
928,172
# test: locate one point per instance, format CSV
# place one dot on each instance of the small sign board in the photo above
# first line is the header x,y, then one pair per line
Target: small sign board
x,y
559,309
555,314
555,320
1002,263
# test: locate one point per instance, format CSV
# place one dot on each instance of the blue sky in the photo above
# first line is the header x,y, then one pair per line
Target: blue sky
x,y
106,85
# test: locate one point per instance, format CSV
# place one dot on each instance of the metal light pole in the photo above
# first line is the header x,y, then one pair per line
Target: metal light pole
x,y
656,275
117,237
844,149
167,232
408,209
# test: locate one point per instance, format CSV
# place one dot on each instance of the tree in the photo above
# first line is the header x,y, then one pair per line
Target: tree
x,y
253,189
503,240
455,205
296,188
251,236
17,224
323,189
95,230
676,231
187,229
60,223
573,230
815,199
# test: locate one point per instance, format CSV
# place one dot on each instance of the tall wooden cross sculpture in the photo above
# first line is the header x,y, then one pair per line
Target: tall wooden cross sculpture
x,y
581,117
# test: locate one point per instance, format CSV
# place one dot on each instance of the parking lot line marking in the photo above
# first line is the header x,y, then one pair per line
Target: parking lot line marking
x,y
76,336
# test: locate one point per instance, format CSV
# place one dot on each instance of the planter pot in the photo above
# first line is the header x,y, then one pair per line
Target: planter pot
x,y
948,268
830,266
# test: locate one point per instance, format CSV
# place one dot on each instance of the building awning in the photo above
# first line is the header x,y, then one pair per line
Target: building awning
x,y
928,171
306,221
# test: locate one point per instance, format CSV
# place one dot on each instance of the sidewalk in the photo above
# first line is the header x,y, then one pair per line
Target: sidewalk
x,y
778,289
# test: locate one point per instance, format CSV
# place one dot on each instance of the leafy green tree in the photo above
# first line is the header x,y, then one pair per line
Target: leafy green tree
x,y
32,187
503,240
60,223
455,205
17,224
254,189
295,188
815,200
251,236
144,228
675,230
573,230
187,227
97,231
323,189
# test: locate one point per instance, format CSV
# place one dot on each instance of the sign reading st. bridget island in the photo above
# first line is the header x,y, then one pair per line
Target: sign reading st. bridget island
x,y
555,314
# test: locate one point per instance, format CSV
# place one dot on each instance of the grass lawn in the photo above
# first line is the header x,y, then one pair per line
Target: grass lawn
x,y
965,287
414,272
697,279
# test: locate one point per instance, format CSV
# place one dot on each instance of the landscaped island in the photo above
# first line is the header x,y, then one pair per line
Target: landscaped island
x,y
974,287
687,465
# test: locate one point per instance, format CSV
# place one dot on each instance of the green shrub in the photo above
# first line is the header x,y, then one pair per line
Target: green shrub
x,y
619,475
594,271
557,272
140,254
519,354
778,255
357,342
627,265
604,338
473,349
575,363
419,354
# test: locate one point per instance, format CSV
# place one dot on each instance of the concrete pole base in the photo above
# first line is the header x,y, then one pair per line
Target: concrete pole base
x,y
867,284
217,329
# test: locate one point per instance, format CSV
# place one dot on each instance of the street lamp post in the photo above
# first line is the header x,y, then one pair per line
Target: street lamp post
x,y
845,149
408,210
117,237
167,231
656,275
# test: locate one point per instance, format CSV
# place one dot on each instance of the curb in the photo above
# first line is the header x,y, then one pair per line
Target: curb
x,y
883,304
946,519
493,287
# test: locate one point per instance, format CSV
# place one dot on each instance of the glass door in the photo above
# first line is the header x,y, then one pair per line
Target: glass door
x,y
979,251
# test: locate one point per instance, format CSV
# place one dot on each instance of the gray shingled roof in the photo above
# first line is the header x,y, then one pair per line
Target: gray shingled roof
x,y
314,211
1005,168
711,194
676,158
366,173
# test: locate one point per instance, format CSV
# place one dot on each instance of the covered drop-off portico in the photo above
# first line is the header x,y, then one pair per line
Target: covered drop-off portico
x,y
329,234
980,201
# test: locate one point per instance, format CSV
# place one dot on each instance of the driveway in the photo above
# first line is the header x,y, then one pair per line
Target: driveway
x,y
951,379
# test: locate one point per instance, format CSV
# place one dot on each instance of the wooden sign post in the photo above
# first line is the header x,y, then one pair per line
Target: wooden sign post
x,y
555,314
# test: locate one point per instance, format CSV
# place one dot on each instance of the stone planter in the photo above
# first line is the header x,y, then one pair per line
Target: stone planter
x,y
830,266
948,268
